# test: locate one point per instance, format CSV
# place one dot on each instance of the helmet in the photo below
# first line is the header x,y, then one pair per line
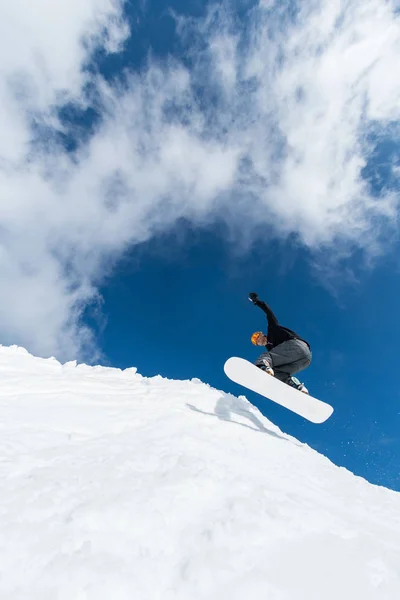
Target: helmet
x,y
255,337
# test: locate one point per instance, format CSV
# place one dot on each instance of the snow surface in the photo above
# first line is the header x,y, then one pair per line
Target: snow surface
x,y
115,486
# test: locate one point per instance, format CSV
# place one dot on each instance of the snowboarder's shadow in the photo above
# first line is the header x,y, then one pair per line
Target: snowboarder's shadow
x,y
228,405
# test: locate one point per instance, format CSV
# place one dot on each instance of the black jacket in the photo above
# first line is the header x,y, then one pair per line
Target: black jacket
x,y
276,334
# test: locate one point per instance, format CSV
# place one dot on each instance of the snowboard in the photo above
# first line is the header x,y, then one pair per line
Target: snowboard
x,y
244,373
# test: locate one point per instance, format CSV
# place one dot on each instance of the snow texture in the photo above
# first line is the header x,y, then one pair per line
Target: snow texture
x,y
116,486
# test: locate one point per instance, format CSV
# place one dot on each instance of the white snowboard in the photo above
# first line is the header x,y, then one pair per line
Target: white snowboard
x,y
244,373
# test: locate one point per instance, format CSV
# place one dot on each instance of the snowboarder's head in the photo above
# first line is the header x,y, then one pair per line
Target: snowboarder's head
x,y
259,339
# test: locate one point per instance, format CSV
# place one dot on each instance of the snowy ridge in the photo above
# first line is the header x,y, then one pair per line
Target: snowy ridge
x,y
115,486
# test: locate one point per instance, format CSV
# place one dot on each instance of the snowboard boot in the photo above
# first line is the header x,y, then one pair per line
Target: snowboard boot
x,y
266,367
294,382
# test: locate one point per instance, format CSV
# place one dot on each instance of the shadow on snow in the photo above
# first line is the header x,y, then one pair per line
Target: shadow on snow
x,y
228,405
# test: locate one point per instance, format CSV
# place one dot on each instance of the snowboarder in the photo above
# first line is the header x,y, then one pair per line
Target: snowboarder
x,y
287,353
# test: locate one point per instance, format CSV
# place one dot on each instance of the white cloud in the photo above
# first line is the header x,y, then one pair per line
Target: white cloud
x,y
43,48
277,136
320,83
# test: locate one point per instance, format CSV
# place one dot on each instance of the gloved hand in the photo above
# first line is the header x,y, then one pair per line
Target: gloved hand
x,y
253,297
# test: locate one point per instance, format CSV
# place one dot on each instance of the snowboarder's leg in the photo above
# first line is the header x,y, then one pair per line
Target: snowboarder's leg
x,y
264,362
288,358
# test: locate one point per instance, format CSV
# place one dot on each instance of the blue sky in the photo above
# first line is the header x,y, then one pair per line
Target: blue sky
x,y
174,157
178,307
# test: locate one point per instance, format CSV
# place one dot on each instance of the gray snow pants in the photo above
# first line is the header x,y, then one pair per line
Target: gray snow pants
x,y
286,359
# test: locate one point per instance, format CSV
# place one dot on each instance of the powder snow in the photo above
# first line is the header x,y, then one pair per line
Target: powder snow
x,y
119,487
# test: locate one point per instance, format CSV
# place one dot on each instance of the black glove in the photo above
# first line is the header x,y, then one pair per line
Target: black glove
x,y
253,297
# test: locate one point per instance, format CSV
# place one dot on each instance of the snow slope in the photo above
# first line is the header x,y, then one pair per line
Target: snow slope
x,y
114,486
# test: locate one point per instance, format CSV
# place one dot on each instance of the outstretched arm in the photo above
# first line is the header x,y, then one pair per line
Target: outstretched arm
x,y
272,320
